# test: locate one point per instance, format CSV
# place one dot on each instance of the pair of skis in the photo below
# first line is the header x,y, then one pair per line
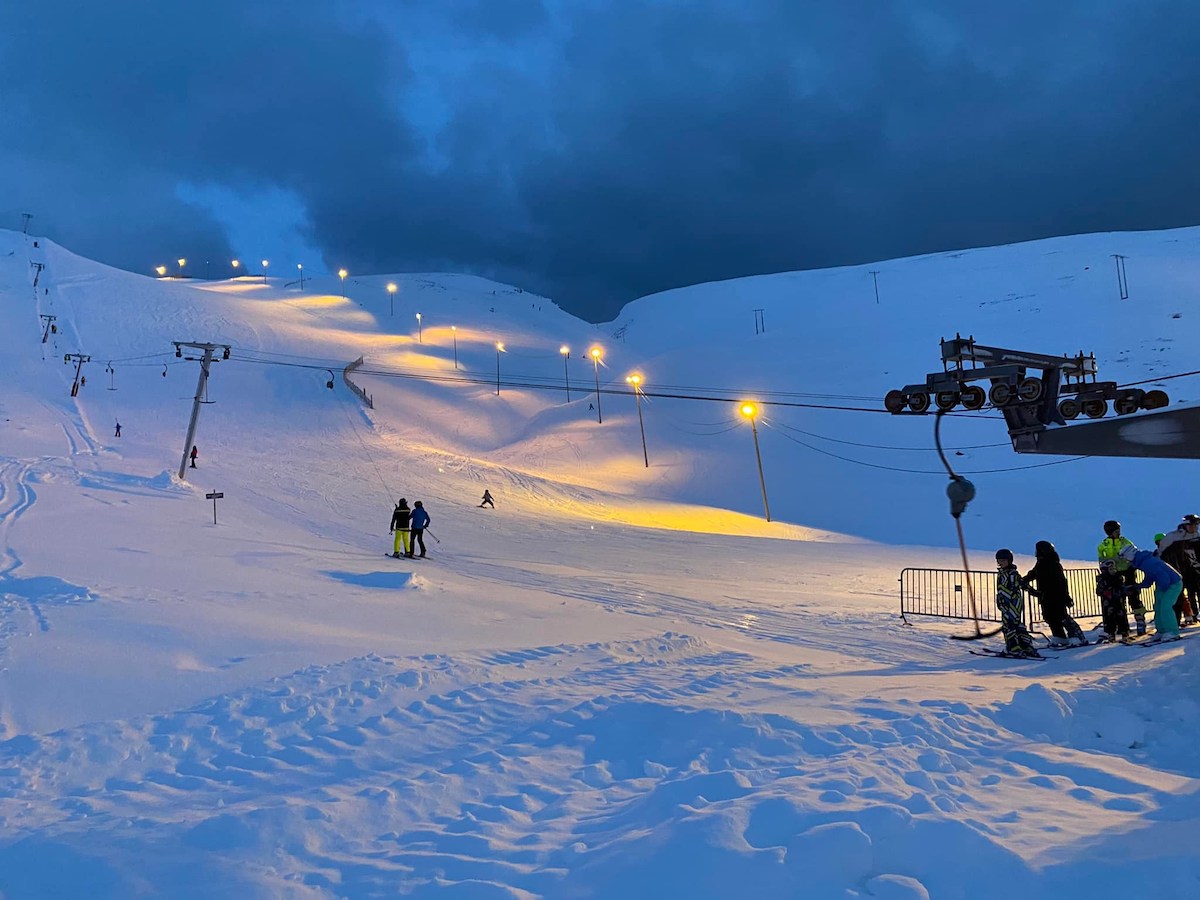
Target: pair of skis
x,y
1002,654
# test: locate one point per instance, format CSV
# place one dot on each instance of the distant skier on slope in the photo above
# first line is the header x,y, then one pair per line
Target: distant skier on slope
x,y
401,517
118,434
1011,602
487,499
1053,595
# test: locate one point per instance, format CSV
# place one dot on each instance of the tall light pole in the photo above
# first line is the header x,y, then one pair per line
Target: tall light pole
x,y
300,269
265,264
342,273
566,353
454,334
182,263
750,411
499,350
391,289
596,354
420,333
636,380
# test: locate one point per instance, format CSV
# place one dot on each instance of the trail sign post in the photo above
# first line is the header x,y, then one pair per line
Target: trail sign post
x,y
214,497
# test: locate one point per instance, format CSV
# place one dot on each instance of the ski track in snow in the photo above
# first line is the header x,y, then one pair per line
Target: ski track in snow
x,y
573,771
782,739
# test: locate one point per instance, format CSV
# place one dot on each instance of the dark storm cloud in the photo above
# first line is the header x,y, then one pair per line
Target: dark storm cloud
x,y
107,107
600,151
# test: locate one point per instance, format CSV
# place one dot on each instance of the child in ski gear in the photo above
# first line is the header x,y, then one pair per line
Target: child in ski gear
x,y
419,522
1110,548
487,499
1167,585
1011,602
401,516
1053,596
1110,588
194,454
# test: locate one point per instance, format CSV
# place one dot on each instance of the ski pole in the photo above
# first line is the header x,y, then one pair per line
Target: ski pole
x,y
432,535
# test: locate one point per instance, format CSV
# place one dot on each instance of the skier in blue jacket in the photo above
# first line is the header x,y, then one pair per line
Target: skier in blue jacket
x,y
1167,585
420,521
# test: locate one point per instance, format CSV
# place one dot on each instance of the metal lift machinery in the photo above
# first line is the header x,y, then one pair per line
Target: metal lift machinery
x,y
1038,394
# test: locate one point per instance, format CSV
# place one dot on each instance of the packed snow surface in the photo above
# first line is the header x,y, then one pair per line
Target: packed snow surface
x,y
622,681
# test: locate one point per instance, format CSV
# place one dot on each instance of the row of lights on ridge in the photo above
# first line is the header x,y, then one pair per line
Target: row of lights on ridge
x,y
749,410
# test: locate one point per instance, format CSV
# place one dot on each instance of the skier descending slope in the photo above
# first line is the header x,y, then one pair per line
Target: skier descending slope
x,y
1167,585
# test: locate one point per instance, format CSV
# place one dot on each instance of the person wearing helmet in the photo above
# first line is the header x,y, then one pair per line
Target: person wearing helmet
x,y
1178,549
401,528
1110,588
1010,600
1167,585
1110,548
1053,596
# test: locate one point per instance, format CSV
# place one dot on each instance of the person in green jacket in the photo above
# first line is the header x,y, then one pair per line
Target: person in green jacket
x,y
1110,548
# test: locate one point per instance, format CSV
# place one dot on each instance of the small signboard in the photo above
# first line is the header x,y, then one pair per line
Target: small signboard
x,y
214,496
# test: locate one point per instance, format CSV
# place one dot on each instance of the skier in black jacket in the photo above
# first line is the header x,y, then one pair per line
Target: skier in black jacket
x,y
401,517
1053,596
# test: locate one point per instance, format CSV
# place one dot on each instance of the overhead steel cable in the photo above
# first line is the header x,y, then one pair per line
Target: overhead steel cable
x,y
859,462
533,382
1159,378
833,440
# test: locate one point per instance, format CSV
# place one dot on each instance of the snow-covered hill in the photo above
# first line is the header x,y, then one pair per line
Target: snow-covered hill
x,y
622,681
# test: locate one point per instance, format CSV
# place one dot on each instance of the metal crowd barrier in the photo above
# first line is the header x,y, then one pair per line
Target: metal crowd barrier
x,y
942,593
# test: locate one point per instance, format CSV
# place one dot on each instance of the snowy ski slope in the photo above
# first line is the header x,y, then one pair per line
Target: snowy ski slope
x,y
622,682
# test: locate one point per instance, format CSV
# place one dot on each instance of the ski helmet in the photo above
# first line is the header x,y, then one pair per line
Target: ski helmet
x,y
1128,552
1004,554
1043,548
1192,519
1108,565
1111,527
1158,537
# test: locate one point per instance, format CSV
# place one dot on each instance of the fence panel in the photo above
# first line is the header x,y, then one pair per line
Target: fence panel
x,y
942,593
359,392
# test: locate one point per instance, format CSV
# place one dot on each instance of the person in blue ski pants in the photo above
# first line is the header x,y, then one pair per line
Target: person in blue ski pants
x,y
1167,585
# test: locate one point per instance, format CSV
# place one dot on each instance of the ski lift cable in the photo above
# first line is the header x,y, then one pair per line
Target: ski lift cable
x,y
870,465
366,450
1160,378
551,384
887,446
